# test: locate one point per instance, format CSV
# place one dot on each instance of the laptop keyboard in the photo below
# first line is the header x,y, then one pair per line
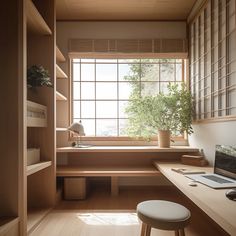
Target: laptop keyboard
x,y
217,179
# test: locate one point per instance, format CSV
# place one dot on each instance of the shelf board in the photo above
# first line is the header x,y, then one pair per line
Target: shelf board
x,y
35,21
106,171
37,167
156,149
35,216
7,223
60,73
61,129
60,97
59,56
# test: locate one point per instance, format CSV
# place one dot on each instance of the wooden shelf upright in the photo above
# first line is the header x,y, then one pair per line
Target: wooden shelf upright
x,y
40,17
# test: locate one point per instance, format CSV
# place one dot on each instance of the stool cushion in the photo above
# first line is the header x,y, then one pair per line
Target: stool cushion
x,y
163,214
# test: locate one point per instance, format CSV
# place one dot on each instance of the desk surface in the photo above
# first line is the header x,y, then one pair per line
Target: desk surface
x,y
184,149
213,202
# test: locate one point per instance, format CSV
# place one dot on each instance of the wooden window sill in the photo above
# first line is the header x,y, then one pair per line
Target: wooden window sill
x,y
127,149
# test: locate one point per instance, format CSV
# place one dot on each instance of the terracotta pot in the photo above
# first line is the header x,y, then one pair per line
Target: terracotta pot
x,y
164,138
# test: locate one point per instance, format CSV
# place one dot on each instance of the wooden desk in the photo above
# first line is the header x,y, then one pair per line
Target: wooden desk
x,y
213,202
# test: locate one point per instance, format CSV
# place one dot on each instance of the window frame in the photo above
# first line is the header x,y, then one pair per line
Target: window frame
x,y
103,139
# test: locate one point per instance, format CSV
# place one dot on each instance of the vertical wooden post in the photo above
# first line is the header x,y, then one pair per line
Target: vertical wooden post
x,y
114,186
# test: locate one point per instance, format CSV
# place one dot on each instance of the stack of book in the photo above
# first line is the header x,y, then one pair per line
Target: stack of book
x,y
194,160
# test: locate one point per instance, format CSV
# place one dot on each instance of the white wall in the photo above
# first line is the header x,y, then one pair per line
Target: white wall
x,y
120,30
206,136
117,30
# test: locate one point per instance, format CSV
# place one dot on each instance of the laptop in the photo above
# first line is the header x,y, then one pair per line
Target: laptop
x,y
224,170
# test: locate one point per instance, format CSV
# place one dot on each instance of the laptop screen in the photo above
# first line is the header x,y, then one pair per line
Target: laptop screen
x,y
225,161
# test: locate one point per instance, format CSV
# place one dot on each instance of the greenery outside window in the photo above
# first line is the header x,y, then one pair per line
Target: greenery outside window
x,y
102,89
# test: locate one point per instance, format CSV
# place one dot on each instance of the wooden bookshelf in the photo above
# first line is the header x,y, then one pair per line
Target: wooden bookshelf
x,y
31,41
60,97
60,73
59,56
35,21
35,216
31,169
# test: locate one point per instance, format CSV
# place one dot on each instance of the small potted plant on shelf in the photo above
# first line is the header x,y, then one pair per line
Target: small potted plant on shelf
x,y
169,114
37,76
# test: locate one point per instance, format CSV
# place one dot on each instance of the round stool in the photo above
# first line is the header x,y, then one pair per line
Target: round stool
x,y
163,215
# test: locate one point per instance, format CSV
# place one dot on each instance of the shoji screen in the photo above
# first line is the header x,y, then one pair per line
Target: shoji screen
x,y
213,61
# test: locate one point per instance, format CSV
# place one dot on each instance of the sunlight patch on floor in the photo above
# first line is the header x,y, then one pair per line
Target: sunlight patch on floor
x,y
109,218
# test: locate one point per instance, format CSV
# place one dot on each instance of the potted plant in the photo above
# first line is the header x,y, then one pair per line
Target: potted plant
x,y
37,76
168,114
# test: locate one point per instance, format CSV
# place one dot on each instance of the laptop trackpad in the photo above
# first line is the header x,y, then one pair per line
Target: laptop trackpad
x,y
217,179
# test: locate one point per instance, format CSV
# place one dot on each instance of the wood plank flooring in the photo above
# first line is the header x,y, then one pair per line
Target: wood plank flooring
x,y
104,215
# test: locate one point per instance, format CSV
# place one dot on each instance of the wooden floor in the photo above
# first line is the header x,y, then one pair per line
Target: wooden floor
x,y
103,215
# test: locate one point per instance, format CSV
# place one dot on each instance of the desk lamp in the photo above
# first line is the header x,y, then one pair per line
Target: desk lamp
x,y
78,129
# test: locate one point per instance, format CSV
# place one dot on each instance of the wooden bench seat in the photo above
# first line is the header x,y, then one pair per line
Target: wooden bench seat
x,y
106,171
113,172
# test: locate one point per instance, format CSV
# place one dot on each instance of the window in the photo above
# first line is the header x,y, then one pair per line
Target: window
x,y
101,89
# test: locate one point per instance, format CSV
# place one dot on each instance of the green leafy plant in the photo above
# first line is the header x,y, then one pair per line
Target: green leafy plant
x,y
37,76
171,111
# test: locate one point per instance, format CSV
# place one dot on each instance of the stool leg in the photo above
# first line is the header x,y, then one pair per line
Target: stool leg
x,y
143,229
181,232
148,230
176,232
